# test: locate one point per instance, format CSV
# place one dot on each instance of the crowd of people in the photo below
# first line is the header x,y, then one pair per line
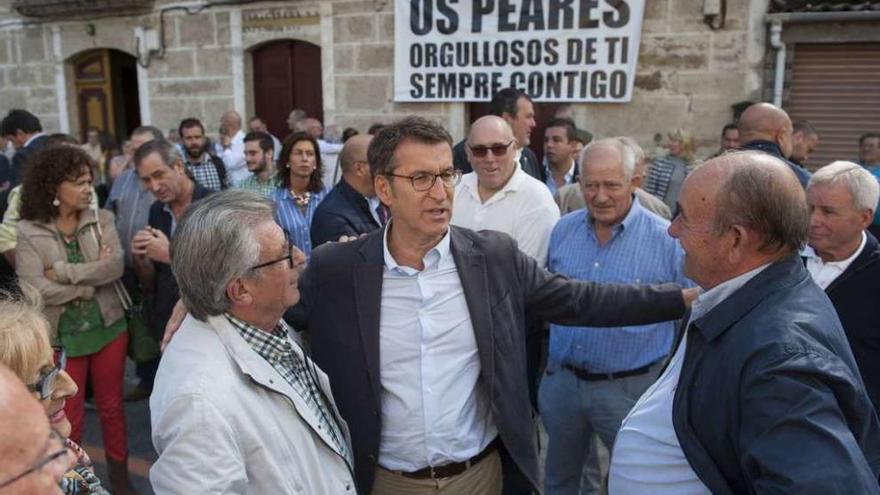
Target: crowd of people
x,y
395,313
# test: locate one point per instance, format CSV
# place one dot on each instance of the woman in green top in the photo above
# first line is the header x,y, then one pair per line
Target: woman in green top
x,y
71,254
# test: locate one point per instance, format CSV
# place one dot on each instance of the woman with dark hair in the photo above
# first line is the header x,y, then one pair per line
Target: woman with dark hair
x,y
70,252
300,190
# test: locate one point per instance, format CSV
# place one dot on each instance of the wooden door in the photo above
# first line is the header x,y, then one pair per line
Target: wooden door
x,y
94,95
287,75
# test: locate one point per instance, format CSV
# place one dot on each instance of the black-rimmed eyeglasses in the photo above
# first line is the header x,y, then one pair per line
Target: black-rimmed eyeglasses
x,y
40,463
423,181
45,385
289,258
497,149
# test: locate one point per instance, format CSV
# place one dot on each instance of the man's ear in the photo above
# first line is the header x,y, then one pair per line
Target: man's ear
x,y
238,293
382,185
739,240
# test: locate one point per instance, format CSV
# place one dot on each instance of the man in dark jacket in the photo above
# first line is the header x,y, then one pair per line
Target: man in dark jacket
x,y
421,329
351,208
767,128
844,258
26,133
762,393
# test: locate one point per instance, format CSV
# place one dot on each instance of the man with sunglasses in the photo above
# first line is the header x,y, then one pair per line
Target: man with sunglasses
x,y
238,406
33,458
498,195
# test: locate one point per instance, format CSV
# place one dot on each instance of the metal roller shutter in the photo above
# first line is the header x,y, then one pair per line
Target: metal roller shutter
x,y
837,88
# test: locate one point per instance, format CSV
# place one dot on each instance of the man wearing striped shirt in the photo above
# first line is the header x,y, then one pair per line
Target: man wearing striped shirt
x,y
595,375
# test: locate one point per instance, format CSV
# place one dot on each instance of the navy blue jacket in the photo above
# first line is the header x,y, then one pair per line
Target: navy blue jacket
x,y
527,160
344,211
770,399
856,297
20,158
772,148
165,290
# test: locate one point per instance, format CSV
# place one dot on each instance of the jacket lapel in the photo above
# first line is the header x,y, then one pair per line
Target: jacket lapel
x,y
368,301
471,266
868,255
264,375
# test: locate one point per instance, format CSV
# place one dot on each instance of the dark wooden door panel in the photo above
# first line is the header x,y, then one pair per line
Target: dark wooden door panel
x,y
287,75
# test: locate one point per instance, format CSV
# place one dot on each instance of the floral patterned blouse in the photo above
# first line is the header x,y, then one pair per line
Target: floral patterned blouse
x,y
81,480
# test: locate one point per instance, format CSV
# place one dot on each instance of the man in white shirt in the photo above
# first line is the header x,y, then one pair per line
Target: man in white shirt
x,y
231,147
499,195
762,394
844,258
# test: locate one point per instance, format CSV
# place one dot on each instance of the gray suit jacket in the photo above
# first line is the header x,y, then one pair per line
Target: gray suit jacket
x,y
341,292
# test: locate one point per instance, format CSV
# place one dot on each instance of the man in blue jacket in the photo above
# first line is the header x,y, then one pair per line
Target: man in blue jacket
x,y
844,258
762,394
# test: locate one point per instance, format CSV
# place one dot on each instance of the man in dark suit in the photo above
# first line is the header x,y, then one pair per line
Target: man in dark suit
x,y
351,208
844,258
421,328
767,128
516,108
26,133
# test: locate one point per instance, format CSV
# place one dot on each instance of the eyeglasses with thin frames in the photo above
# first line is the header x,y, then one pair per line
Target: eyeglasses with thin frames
x,y
423,181
42,462
497,149
45,385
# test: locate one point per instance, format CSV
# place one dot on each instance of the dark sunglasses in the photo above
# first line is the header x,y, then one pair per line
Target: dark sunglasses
x,y
496,149
45,385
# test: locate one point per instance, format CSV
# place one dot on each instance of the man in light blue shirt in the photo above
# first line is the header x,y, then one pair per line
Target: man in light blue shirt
x,y
595,375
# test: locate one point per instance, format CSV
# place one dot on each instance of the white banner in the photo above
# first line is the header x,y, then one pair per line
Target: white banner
x,y
554,50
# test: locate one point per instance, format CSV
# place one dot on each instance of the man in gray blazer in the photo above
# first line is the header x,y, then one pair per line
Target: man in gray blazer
x,y
421,329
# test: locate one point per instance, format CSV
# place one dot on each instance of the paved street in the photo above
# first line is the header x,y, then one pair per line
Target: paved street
x,y
141,453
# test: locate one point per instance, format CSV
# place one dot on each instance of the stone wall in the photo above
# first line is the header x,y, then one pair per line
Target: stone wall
x,y
688,75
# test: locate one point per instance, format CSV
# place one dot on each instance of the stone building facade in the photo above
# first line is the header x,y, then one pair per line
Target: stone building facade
x,y
689,75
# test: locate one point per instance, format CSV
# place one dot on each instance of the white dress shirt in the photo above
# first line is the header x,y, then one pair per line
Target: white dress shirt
x,y
233,158
824,273
523,209
647,457
434,408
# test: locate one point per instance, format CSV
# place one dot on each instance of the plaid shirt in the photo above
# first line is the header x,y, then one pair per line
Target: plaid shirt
x,y
252,183
204,172
277,349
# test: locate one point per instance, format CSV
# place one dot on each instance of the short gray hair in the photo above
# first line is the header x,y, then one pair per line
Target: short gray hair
x,y
627,155
862,185
754,196
214,244
168,152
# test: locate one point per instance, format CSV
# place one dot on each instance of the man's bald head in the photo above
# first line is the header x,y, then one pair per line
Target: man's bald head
x,y
354,151
766,122
231,121
759,192
491,123
354,164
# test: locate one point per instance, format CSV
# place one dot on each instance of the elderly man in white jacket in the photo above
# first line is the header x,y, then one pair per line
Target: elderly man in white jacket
x,y
237,406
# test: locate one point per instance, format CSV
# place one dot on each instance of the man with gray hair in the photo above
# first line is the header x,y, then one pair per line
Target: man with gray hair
x,y
569,197
238,406
844,258
762,393
230,148
595,375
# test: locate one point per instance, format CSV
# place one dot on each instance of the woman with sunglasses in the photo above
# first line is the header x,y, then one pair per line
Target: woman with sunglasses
x,y
71,254
25,349
300,190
